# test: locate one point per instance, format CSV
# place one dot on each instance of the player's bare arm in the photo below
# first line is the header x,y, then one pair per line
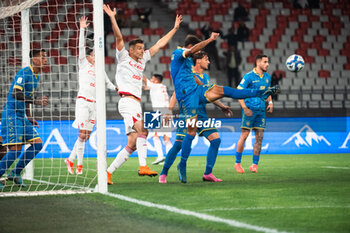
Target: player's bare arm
x,y
29,116
144,80
224,108
165,39
83,25
19,95
246,110
201,45
269,107
116,30
83,22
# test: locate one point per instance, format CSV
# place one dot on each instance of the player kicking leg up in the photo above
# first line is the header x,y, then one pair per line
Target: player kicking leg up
x,y
189,94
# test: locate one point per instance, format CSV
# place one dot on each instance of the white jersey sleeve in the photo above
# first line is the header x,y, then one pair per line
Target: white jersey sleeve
x,y
82,54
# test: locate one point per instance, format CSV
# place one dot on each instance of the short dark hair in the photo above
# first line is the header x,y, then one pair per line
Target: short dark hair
x,y
135,41
191,39
259,57
199,55
89,51
35,52
159,77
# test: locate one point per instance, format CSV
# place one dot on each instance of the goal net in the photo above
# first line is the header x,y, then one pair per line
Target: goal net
x,y
51,25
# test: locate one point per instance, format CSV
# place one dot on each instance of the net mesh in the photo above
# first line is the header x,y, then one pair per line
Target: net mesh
x,y
54,26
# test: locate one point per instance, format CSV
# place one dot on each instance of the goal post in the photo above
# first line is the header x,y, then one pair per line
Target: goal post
x,y
53,25
100,96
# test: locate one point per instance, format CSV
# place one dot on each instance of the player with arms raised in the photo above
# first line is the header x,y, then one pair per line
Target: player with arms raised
x,y
85,108
17,124
131,65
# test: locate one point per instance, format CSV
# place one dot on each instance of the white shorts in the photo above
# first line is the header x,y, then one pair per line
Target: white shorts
x,y
85,115
131,112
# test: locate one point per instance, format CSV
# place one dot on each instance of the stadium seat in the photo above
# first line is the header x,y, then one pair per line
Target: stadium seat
x,y
109,60
324,74
165,60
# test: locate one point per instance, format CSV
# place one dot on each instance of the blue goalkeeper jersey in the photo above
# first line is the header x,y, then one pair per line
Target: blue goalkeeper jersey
x,y
253,80
181,73
26,81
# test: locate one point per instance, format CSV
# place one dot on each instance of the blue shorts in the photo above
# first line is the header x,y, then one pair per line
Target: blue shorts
x,y
17,130
202,131
256,121
189,104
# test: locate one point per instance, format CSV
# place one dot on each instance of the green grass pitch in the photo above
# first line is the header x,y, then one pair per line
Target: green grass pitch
x,y
290,193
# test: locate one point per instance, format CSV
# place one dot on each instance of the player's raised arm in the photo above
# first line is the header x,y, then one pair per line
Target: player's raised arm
x,y
165,39
116,30
201,45
83,25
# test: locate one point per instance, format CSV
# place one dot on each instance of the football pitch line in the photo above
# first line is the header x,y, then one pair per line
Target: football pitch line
x,y
176,210
205,217
345,168
276,208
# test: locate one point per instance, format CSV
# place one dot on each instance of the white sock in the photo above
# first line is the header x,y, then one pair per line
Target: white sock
x,y
158,146
141,146
122,156
168,146
72,155
80,151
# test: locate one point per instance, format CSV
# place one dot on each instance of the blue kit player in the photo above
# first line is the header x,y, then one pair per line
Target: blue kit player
x,y
253,111
189,94
17,124
201,63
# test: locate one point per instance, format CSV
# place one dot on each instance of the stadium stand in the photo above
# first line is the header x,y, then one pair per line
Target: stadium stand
x,y
321,36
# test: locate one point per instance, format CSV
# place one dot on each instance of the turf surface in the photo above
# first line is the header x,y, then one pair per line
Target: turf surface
x,y
293,193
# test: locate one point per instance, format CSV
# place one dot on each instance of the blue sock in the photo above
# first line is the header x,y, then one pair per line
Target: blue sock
x,y
170,157
241,93
212,154
27,156
186,149
8,160
256,159
238,157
